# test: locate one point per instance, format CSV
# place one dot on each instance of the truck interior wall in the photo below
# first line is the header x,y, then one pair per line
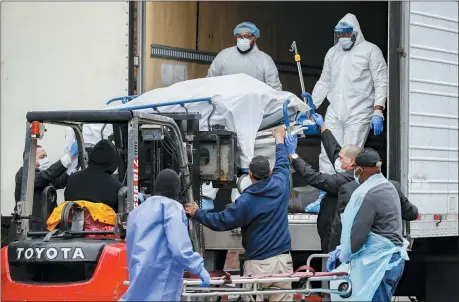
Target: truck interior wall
x,y
208,26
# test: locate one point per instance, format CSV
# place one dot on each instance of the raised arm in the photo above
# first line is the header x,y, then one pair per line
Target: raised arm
x,y
329,183
331,145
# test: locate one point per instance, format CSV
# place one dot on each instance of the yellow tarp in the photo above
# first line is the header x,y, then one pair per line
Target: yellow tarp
x,y
99,212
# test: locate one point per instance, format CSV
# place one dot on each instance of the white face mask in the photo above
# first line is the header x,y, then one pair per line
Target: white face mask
x,y
338,166
44,164
346,43
243,44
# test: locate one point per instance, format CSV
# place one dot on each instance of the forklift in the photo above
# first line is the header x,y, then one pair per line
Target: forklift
x,y
70,263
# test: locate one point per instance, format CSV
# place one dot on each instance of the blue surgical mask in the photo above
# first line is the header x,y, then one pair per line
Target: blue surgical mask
x,y
243,44
346,43
338,166
44,164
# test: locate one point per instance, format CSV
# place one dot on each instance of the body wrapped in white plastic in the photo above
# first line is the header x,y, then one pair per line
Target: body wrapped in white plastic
x,y
241,102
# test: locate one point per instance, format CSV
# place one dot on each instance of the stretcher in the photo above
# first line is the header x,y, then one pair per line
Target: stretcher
x,y
247,287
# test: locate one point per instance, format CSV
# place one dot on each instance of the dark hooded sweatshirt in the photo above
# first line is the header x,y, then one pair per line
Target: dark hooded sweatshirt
x,y
96,183
261,212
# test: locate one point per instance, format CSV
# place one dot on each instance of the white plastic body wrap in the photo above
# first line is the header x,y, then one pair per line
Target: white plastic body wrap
x,y
240,102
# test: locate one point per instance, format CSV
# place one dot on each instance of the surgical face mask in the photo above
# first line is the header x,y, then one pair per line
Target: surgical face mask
x,y
346,43
44,164
243,44
338,167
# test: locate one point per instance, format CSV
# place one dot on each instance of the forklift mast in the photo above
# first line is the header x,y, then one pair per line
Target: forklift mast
x,y
146,144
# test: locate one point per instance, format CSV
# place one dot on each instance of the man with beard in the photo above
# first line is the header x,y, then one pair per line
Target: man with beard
x,y
246,58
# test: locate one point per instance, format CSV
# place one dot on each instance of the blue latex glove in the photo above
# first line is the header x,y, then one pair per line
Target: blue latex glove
x,y
318,119
74,149
290,143
313,207
205,278
377,124
207,204
301,118
322,194
141,197
332,257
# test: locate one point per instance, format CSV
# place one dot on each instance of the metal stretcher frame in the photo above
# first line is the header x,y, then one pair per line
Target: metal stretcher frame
x,y
192,288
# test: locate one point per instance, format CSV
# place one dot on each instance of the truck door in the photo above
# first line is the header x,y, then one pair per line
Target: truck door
x,y
430,129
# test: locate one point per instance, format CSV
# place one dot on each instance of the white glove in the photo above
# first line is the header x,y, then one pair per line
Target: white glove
x,y
72,166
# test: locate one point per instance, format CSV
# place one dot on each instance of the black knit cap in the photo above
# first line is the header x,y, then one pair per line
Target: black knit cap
x,y
368,157
167,184
259,166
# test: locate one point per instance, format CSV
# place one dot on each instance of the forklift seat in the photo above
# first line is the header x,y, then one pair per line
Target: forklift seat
x,y
43,208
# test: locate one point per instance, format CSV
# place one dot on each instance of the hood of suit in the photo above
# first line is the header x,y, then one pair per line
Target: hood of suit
x,y
351,19
104,156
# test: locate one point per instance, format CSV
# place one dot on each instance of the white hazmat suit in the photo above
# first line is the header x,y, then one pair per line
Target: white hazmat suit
x,y
255,63
354,81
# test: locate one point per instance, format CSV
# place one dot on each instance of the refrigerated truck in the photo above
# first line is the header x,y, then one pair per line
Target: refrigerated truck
x,y
67,55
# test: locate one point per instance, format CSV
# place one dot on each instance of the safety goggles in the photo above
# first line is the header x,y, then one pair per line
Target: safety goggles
x,y
343,32
244,36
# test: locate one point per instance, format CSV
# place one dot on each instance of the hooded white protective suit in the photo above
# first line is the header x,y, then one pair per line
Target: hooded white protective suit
x,y
255,63
354,81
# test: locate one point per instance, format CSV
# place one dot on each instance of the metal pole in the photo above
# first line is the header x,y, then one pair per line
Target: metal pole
x,y
300,72
132,165
25,205
141,31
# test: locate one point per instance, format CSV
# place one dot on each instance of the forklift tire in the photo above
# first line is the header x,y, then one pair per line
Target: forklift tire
x,y
343,287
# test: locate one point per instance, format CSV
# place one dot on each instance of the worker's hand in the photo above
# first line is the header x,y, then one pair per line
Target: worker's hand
x,y
279,134
291,142
313,207
332,257
191,208
318,119
377,124
74,149
141,197
205,277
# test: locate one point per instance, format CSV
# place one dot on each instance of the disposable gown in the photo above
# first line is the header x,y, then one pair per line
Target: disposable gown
x,y
372,261
256,64
158,250
354,82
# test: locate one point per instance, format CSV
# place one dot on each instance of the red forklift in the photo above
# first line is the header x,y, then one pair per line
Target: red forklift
x,y
71,263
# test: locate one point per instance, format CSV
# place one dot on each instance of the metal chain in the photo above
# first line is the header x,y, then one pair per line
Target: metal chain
x,y
201,227
200,232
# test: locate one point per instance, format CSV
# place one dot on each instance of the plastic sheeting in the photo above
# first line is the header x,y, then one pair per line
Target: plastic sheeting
x,y
240,104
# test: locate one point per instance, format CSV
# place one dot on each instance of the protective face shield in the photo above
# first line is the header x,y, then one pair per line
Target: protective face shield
x,y
345,36
44,164
338,167
243,44
357,172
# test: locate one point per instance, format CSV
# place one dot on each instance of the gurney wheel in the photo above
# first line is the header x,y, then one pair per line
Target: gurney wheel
x,y
344,287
